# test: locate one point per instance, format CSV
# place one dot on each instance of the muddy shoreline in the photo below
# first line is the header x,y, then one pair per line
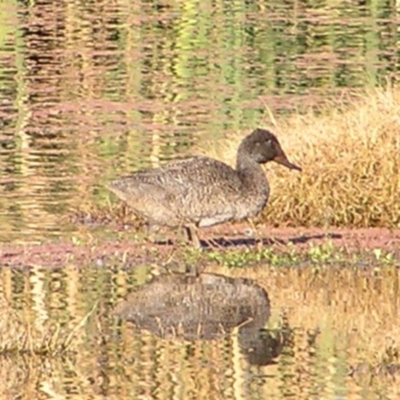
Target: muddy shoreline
x,y
225,238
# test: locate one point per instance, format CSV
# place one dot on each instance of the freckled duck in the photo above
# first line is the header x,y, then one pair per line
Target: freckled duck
x,y
201,191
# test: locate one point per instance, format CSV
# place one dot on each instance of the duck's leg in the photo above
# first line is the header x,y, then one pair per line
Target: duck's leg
x,y
192,236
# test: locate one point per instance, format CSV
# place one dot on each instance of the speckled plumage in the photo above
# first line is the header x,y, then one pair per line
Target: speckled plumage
x,y
201,191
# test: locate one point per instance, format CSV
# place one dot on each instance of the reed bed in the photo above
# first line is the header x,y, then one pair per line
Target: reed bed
x,y
350,154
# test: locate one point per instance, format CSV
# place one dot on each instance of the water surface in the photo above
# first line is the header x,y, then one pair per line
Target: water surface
x,y
338,342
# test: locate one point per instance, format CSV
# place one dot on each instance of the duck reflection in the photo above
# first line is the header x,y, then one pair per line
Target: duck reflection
x,y
205,307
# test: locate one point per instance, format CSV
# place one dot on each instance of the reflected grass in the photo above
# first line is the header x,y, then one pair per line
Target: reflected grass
x,y
340,313
359,307
19,336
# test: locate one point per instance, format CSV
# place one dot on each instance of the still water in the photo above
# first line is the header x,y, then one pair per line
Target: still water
x,y
89,92
328,336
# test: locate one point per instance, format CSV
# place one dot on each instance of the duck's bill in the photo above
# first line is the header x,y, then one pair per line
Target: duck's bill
x,y
282,159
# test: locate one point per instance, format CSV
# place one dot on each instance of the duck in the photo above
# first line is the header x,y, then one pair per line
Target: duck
x,y
200,192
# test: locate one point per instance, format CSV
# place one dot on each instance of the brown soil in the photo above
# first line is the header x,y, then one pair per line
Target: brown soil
x,y
224,237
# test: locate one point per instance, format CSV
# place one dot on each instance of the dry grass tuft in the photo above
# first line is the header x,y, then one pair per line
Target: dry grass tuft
x,y
350,155
18,336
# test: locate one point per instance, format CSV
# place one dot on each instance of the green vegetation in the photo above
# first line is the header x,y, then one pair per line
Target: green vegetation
x,y
318,255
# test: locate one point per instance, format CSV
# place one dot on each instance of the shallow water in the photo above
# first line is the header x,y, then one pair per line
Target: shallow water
x,y
340,342
87,94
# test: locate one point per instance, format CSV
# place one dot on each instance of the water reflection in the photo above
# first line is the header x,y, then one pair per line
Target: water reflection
x,y
225,356
204,307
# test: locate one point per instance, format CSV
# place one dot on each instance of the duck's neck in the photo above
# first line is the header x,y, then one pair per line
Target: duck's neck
x,y
251,173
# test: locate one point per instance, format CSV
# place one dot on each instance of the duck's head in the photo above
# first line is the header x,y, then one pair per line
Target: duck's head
x,y
262,146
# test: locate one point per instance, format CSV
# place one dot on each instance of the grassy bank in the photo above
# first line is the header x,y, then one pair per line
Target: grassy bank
x,y
350,154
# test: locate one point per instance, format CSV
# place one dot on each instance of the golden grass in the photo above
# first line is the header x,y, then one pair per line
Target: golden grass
x,y
18,336
350,155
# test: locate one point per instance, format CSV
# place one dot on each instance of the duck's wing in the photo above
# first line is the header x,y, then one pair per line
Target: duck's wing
x,y
194,174
199,190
